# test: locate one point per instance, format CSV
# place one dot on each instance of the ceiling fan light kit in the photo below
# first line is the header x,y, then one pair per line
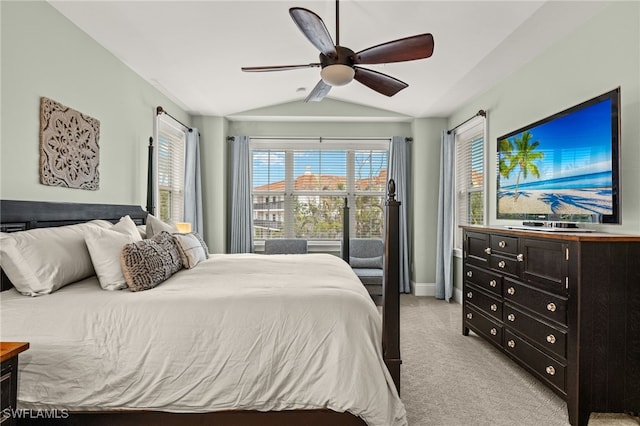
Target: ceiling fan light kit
x,y
337,74
338,63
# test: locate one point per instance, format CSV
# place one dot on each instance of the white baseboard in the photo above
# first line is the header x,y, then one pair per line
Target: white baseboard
x,y
423,289
457,295
429,289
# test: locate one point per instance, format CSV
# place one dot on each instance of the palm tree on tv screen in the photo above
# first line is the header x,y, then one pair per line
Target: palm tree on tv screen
x,y
521,154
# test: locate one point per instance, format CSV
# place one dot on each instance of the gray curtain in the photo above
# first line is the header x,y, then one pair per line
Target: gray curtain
x,y
241,230
192,183
446,212
399,171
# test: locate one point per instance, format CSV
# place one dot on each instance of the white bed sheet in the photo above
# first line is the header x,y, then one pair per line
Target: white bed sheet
x,y
237,332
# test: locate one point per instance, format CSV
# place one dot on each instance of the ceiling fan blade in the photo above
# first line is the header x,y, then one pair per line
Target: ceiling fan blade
x,y
314,29
381,83
319,92
279,67
404,49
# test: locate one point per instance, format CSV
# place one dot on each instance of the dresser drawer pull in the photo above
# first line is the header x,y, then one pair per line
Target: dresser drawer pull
x,y
470,295
520,257
469,315
511,344
511,291
487,250
493,331
494,307
501,264
550,370
493,283
551,339
511,317
502,244
551,307
469,274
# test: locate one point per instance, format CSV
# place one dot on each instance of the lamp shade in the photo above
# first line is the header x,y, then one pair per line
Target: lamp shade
x,y
183,227
337,74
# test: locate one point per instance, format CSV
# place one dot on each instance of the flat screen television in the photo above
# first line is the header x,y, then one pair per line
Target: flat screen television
x,y
564,168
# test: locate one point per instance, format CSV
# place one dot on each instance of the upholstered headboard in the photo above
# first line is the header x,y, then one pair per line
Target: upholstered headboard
x,y
23,215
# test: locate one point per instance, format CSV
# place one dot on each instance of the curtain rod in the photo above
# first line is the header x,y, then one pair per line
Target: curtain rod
x,y
232,138
481,113
160,110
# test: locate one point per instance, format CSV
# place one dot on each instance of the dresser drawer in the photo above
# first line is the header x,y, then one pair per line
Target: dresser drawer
x,y
548,305
483,301
477,249
504,244
545,265
483,279
537,332
545,367
483,325
505,265
6,384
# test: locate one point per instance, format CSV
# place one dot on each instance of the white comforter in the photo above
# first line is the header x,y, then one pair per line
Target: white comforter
x,y
236,332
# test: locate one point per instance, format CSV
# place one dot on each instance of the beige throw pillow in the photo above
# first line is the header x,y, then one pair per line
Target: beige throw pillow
x,y
192,248
155,226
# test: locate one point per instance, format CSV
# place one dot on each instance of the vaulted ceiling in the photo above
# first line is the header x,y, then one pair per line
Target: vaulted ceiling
x,y
192,51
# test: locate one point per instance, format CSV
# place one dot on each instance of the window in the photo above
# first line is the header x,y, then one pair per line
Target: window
x,y
470,166
299,188
170,183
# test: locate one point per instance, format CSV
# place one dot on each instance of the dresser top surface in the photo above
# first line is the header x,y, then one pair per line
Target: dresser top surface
x,y
10,349
556,235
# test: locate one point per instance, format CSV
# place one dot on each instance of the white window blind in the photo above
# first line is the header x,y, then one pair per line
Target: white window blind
x,y
299,188
470,177
171,169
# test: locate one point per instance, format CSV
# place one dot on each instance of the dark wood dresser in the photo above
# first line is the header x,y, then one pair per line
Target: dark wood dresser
x,y
565,306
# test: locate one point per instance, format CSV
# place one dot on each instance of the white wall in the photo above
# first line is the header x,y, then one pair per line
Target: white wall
x,y
44,54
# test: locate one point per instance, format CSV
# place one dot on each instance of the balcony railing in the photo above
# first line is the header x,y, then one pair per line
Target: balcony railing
x,y
269,224
277,205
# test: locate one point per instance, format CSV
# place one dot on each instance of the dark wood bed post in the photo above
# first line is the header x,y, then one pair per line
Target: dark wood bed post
x,y
345,231
391,289
150,194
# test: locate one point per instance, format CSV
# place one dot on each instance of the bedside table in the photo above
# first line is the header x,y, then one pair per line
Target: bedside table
x,y
9,378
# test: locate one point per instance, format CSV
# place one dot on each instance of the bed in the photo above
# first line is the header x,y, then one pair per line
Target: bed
x,y
238,340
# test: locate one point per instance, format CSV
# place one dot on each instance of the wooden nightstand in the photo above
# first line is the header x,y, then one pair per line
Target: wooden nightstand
x,y
9,378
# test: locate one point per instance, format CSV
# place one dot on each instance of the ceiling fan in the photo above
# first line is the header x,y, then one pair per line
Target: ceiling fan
x,y
339,64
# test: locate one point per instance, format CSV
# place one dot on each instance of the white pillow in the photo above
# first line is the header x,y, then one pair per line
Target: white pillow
x,y
104,246
126,225
156,226
41,261
142,229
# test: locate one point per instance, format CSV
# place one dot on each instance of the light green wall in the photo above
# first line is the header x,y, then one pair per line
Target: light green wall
x,y
43,54
425,177
213,162
602,54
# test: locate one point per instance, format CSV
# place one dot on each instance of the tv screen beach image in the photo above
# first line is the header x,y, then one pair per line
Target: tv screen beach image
x,y
562,166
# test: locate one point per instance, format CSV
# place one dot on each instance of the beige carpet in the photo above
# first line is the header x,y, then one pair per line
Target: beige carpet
x,y
449,379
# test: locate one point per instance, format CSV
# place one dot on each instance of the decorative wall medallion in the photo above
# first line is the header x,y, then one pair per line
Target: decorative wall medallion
x,y
69,150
